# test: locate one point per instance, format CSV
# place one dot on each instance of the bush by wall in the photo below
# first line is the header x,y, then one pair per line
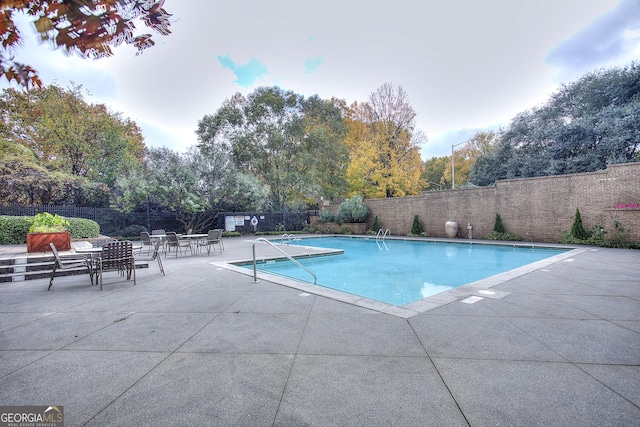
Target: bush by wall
x,y
538,209
353,210
14,229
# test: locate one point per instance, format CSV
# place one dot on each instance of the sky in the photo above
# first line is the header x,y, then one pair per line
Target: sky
x,y
466,66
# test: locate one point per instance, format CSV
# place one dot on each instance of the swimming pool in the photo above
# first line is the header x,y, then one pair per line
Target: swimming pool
x,y
399,272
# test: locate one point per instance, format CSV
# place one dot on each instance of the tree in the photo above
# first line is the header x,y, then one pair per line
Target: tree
x,y
585,126
384,146
577,229
498,226
466,156
416,227
90,28
24,180
292,144
433,172
195,186
69,135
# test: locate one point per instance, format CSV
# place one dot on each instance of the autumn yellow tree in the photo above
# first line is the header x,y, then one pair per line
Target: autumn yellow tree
x,y
466,156
384,159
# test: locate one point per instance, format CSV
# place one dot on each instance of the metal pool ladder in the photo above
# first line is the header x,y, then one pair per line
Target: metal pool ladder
x,y
288,237
383,232
255,271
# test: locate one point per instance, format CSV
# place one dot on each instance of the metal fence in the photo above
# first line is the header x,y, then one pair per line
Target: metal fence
x,y
115,223
249,222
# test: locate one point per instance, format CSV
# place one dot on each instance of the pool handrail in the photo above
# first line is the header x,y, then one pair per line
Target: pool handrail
x,y
255,271
289,238
383,232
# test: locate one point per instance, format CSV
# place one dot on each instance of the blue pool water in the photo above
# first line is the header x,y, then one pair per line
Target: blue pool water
x,y
402,271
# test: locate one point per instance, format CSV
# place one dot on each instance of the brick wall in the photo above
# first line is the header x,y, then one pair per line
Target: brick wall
x,y
538,209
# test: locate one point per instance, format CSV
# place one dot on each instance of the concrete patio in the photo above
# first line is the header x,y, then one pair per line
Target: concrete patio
x,y
205,345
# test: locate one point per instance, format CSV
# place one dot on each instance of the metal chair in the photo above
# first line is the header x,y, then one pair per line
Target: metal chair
x,y
98,243
146,241
69,263
116,256
214,237
174,242
154,255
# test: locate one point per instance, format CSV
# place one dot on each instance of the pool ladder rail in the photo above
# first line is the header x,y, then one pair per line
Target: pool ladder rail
x,y
384,233
288,238
255,270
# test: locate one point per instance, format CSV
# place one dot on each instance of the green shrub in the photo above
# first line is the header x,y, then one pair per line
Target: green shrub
x,y
494,235
353,210
498,227
416,227
597,236
346,230
14,229
44,222
376,225
82,228
132,232
231,234
577,230
326,216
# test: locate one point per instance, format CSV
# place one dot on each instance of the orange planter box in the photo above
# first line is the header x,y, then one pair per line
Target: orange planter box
x,y
39,242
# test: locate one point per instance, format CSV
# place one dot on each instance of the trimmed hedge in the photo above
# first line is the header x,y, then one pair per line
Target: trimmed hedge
x,y
14,229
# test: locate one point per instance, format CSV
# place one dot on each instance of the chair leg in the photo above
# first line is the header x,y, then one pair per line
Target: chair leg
x,y
160,265
53,273
90,268
133,267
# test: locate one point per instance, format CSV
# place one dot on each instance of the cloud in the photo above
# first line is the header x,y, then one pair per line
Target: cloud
x,y
609,37
247,73
312,64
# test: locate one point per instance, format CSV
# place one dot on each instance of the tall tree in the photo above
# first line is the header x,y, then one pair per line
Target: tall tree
x,y
24,180
585,126
70,135
194,185
384,146
282,139
433,172
90,28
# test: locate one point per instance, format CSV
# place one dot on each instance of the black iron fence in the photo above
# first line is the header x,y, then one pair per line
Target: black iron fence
x,y
249,222
116,223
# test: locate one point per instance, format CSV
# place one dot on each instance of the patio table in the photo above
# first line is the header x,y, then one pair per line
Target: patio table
x,y
95,252
194,238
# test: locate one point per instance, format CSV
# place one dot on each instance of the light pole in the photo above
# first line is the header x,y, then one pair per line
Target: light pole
x,y
453,179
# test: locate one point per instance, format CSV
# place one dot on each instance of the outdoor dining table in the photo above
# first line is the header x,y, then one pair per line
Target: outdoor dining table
x,y
194,238
94,253
98,249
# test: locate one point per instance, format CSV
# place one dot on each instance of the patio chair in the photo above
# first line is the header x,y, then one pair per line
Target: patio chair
x,y
214,237
158,231
146,241
174,242
69,263
116,256
153,255
98,243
